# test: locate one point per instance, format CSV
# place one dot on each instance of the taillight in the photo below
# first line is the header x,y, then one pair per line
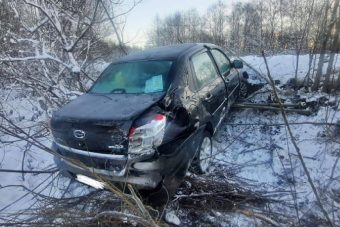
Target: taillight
x,y
144,139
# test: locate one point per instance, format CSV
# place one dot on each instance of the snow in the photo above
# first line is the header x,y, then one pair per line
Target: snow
x,y
24,111
172,218
262,155
283,67
258,153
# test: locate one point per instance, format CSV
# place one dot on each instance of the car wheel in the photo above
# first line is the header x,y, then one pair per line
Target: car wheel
x,y
202,160
243,93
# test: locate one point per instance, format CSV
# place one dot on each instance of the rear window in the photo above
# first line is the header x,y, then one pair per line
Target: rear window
x,y
133,77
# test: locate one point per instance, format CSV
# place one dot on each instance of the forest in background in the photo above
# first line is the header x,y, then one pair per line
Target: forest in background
x,y
275,26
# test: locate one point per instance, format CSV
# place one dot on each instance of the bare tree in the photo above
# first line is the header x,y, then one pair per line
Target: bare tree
x,y
334,30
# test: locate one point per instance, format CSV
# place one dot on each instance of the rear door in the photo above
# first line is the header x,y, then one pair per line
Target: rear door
x,y
210,86
229,74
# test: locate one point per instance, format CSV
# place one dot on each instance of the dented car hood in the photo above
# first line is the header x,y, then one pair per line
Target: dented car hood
x,y
108,107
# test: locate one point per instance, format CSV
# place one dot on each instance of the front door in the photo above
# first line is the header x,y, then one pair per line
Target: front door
x,y
211,88
229,74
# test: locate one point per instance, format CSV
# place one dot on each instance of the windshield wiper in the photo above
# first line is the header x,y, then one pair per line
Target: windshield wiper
x,y
118,91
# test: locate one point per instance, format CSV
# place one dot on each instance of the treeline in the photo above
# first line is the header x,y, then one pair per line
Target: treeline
x,y
273,25
276,26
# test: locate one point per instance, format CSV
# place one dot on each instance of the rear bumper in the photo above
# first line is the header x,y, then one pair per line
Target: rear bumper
x,y
105,167
143,171
148,181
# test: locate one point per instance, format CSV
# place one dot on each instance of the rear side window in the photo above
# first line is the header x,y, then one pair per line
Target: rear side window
x,y
222,61
204,69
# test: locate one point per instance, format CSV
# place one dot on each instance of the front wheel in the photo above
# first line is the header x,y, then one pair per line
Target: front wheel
x,y
202,160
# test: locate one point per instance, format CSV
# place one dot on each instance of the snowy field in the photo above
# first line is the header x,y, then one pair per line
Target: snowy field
x,y
252,147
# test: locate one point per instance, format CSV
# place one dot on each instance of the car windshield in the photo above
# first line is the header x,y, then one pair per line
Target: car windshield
x,y
133,77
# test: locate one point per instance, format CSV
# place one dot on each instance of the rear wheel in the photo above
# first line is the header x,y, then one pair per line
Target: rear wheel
x,y
202,160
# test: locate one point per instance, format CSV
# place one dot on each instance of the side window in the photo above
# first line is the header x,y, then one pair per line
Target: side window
x,y
222,61
204,69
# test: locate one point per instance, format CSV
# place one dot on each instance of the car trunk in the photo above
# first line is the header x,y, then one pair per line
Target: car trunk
x,y
100,122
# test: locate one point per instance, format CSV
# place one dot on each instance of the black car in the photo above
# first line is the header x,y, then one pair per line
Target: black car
x,y
149,117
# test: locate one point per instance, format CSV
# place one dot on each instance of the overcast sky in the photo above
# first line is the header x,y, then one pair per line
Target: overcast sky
x,y
140,19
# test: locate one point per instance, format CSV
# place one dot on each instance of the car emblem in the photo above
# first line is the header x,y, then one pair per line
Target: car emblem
x,y
79,134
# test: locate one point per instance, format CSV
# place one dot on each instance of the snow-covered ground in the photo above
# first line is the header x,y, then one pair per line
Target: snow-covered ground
x,y
253,145
282,67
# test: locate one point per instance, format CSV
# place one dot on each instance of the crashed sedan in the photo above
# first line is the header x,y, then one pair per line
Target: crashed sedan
x,y
149,117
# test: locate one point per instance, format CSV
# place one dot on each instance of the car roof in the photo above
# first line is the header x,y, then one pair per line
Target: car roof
x,y
164,52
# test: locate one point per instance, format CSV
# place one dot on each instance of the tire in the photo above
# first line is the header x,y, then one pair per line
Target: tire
x,y
244,90
202,160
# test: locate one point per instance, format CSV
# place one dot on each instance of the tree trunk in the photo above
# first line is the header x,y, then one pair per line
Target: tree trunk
x,y
327,86
324,37
307,78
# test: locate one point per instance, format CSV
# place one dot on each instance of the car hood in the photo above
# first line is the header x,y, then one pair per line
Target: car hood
x,y
107,107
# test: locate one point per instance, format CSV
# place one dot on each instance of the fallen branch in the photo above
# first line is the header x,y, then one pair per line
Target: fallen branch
x,y
299,105
247,106
281,124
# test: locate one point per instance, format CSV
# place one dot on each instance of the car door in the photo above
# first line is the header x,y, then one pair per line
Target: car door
x,y
229,74
210,86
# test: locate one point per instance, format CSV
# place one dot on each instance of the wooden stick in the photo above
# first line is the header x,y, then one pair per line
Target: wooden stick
x,y
306,112
301,105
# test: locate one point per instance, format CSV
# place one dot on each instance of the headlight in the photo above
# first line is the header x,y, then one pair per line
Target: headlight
x,y
143,139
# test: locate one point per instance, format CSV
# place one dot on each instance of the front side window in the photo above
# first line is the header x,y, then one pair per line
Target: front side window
x,y
133,78
222,61
204,69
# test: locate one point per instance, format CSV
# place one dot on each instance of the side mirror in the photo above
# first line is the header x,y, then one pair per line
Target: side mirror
x,y
237,64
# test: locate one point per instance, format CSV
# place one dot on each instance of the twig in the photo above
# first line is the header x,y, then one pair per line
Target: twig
x,y
28,146
141,207
28,171
120,42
